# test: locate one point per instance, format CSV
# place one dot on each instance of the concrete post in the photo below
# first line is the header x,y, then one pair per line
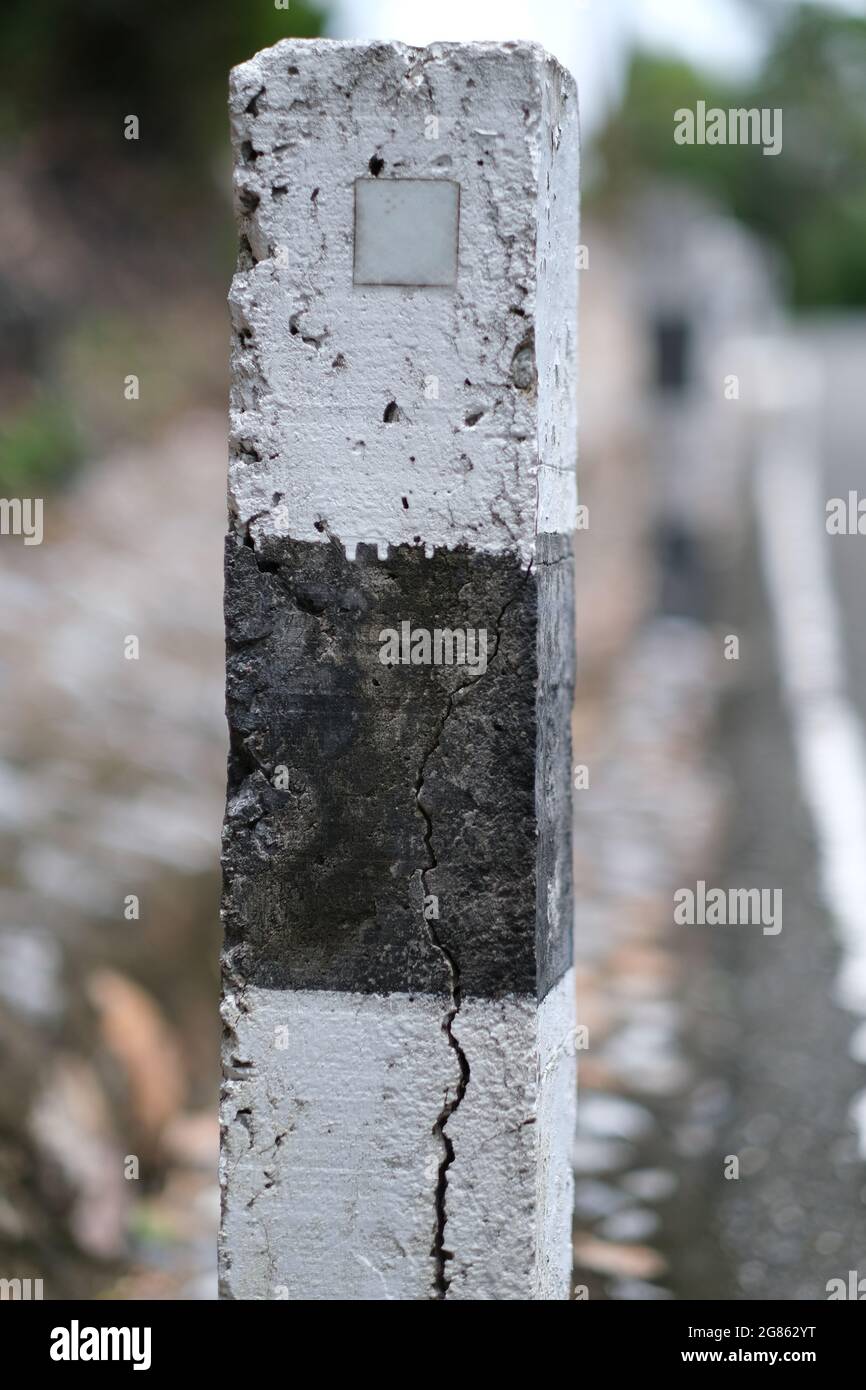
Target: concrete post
x,y
399,1054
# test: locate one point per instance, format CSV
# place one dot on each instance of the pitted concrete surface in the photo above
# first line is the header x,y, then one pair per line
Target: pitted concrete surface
x,y
329,1159
348,399
397,837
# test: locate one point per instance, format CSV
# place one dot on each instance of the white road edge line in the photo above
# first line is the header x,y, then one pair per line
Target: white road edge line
x,y
827,731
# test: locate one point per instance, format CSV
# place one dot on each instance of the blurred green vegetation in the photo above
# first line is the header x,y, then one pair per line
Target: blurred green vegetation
x,y
154,344
39,445
165,61
810,200
120,251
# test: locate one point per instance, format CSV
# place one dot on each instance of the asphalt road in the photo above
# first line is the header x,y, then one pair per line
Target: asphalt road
x,y
795,1218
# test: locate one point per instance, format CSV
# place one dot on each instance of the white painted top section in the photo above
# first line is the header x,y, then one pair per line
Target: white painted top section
x,y
349,398
406,231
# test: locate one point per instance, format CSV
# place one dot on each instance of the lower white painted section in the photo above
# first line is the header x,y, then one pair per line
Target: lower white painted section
x,y
557,1118
509,1200
330,1162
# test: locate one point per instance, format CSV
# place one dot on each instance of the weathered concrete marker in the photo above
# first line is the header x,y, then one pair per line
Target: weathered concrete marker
x,y
399,1064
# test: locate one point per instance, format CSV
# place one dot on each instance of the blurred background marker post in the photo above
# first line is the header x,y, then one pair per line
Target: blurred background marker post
x,y
397,986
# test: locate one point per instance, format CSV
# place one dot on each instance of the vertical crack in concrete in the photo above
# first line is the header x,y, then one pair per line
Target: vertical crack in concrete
x,y
441,1281
440,1254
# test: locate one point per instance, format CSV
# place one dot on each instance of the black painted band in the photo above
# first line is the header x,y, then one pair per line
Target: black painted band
x,y
358,790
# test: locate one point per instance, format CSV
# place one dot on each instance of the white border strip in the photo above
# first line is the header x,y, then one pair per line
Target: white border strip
x,y
827,731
